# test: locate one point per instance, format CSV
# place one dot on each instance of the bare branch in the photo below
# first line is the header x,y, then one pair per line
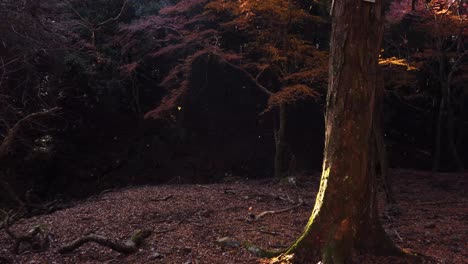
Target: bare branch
x,y
455,66
89,24
114,18
248,75
12,133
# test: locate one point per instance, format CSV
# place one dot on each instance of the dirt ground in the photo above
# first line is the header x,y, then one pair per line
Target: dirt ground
x,y
188,221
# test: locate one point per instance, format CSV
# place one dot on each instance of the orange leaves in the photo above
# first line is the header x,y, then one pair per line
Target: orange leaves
x,y
315,76
436,15
394,61
291,95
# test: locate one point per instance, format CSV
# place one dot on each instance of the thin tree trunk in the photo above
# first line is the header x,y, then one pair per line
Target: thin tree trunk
x,y
445,80
379,140
451,137
461,122
281,155
413,5
438,136
381,153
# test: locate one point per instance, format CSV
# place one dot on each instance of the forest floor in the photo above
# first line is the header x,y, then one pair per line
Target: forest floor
x,y
188,221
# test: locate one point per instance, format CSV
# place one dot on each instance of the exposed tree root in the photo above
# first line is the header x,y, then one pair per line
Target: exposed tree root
x,y
129,247
37,237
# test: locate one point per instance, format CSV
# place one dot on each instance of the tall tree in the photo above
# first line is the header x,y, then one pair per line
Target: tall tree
x,y
344,220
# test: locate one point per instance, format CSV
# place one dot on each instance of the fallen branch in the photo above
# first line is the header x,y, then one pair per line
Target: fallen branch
x,y
129,247
262,214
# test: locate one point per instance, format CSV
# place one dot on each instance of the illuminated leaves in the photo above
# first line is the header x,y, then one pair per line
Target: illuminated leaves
x,y
292,95
394,61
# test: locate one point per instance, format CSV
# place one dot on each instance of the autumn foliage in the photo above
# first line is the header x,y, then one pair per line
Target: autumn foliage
x,y
176,72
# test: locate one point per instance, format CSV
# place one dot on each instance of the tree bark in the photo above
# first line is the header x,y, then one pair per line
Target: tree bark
x,y
281,155
377,133
438,135
344,219
446,104
451,138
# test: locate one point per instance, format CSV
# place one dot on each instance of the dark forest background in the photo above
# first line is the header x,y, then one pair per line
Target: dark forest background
x,y
100,94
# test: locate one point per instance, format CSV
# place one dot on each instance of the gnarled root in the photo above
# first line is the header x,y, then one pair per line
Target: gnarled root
x,y
129,247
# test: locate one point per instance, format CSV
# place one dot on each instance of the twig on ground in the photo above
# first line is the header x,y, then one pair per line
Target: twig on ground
x,y
162,199
263,231
229,191
274,196
204,186
262,214
268,232
398,235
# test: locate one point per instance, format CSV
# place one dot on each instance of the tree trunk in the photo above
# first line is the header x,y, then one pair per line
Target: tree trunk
x,y
281,155
377,133
461,122
344,219
438,136
446,103
451,134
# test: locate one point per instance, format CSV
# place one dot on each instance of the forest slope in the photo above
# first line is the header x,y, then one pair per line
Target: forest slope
x,y
187,221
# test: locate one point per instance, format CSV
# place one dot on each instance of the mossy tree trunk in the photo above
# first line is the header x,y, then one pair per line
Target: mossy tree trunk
x,y
344,219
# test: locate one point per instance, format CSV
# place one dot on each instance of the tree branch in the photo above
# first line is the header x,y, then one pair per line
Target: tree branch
x,y
455,66
17,127
248,75
114,18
